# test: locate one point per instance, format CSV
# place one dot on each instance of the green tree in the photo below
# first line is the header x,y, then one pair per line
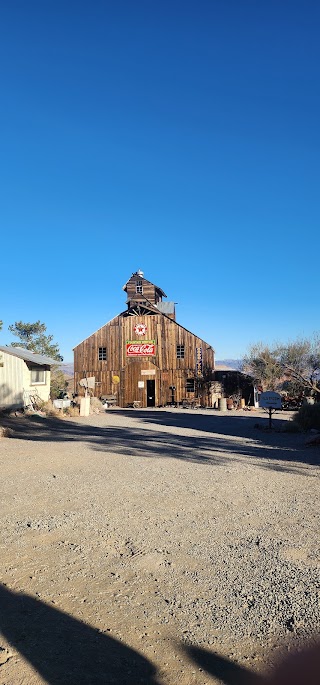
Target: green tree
x,y
32,336
58,382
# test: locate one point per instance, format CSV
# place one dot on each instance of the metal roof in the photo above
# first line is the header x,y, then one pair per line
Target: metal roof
x,y
29,356
165,307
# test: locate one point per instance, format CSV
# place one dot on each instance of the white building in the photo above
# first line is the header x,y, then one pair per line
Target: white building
x,y
23,374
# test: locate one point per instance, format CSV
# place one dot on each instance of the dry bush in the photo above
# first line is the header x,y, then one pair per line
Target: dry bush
x,y
308,417
290,427
72,411
5,432
48,406
96,404
54,414
50,411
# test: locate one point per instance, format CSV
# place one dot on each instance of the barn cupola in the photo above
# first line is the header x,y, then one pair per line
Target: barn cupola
x,y
145,297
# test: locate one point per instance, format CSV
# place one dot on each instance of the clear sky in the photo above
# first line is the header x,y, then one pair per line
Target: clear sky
x,y
177,137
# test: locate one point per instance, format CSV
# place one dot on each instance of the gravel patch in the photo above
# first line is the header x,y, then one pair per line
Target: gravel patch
x,y
146,535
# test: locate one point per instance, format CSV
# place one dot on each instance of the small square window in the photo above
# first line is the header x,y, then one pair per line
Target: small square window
x,y
180,351
102,356
38,376
139,287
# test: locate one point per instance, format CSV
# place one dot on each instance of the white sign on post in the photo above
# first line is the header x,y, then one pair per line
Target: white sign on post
x,y
270,400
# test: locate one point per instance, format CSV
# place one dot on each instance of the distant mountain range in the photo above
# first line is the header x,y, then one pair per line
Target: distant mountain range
x,y
230,363
67,367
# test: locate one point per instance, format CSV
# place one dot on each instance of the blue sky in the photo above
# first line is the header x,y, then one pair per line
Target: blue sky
x,y
181,138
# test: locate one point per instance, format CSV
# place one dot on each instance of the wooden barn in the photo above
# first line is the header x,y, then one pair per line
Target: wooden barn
x,y
143,357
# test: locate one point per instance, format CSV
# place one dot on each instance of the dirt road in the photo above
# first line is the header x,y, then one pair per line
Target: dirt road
x,y
156,546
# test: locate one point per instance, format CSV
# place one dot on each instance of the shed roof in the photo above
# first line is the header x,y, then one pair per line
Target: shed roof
x,y
29,356
165,307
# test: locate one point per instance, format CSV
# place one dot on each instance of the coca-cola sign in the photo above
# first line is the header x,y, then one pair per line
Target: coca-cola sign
x,y
136,348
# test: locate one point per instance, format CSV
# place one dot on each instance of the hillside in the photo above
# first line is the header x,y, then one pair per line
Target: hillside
x,y
229,363
67,368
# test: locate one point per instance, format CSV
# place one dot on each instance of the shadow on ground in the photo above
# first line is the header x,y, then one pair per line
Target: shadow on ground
x,y
218,444
65,651
299,667
228,672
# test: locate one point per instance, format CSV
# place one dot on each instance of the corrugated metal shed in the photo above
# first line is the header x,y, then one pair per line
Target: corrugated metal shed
x,y
23,374
11,381
28,356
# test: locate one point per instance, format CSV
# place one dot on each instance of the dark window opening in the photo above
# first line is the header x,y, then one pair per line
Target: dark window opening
x,y
180,351
102,356
190,385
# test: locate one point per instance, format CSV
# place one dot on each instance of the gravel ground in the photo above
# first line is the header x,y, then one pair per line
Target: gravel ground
x,y
155,546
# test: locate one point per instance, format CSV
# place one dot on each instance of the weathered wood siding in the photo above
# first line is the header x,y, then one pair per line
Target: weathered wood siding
x,y
150,292
166,369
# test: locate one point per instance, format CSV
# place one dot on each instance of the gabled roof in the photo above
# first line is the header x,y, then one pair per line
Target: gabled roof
x,y
141,310
130,312
29,356
146,280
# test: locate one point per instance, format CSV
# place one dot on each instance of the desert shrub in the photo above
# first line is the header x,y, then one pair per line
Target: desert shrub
x,y
96,404
5,432
47,406
50,411
54,413
72,411
308,417
291,427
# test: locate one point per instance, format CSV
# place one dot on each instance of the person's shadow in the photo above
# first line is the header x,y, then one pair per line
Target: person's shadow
x,y
299,667
228,672
65,651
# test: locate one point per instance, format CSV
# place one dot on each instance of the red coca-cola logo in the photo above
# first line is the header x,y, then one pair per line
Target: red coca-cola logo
x,y
137,349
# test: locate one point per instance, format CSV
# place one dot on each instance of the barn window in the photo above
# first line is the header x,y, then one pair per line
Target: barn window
x,y
139,287
190,385
102,356
38,376
180,351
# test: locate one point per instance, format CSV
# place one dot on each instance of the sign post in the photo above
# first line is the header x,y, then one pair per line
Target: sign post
x,y
271,401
